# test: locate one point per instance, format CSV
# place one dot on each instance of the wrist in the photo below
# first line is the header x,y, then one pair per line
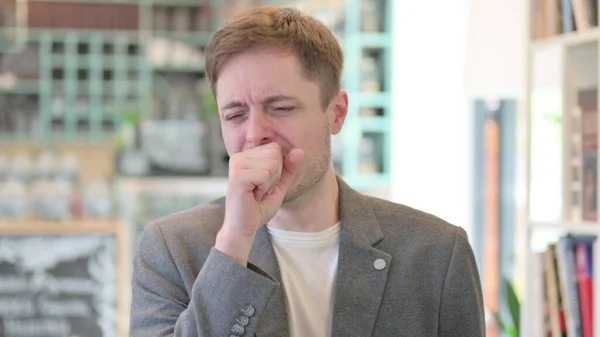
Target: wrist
x,y
234,245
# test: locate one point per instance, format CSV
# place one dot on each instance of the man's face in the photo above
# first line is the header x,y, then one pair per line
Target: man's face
x,y
263,97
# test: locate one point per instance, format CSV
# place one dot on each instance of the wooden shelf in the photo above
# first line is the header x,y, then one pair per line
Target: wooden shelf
x,y
568,39
205,185
38,34
170,3
572,227
42,227
112,2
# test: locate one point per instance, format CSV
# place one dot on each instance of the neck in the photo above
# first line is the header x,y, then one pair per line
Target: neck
x,y
314,211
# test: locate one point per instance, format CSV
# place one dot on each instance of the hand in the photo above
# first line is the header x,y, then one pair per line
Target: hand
x,y
258,181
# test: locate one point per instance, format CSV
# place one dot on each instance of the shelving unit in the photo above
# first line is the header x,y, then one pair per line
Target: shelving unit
x,y
116,64
136,69
60,227
366,137
560,70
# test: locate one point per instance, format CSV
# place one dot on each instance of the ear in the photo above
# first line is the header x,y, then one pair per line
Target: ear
x,y
339,112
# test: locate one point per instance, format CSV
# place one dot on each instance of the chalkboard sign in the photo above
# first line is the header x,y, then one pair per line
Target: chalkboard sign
x,y
59,285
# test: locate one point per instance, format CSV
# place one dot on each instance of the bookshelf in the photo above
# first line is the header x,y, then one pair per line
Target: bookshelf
x,y
561,103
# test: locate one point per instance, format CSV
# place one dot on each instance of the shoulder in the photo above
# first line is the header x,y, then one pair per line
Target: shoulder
x,y
415,229
175,247
192,227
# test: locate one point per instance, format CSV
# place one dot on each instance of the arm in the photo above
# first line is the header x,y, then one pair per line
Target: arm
x,y
223,292
461,309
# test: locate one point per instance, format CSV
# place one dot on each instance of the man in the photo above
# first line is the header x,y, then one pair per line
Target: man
x,y
292,250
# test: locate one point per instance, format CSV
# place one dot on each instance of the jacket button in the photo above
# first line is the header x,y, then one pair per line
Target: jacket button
x,y
379,264
238,329
243,320
248,310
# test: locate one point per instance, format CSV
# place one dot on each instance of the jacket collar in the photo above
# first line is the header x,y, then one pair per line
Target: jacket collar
x,y
358,218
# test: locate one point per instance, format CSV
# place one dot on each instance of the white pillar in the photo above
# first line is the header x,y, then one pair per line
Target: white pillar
x,y
432,119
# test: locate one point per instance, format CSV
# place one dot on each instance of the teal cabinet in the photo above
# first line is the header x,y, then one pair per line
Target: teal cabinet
x,y
366,138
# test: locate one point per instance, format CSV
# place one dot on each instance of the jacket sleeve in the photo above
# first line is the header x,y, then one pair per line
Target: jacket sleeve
x,y
462,311
226,298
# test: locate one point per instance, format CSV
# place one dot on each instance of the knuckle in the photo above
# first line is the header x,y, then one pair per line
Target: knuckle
x,y
266,174
275,153
273,165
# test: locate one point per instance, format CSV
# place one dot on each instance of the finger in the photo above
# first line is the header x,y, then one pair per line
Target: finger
x,y
264,152
274,166
270,191
257,180
260,192
292,163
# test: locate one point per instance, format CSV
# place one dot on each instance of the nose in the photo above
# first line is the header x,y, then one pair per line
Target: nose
x,y
259,129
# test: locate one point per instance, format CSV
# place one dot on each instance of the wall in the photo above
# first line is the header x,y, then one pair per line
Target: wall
x,y
432,118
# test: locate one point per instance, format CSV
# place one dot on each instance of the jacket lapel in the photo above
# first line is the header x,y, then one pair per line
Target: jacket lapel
x,y
274,321
360,285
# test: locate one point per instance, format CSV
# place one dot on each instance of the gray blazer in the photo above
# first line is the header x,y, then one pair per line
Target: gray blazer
x,y
429,284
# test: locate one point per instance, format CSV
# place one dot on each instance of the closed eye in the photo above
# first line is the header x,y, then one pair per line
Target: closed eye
x,y
232,117
284,108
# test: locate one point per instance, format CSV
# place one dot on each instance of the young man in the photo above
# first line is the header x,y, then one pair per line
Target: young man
x,y
292,250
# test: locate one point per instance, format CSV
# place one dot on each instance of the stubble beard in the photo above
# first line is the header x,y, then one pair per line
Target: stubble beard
x,y
315,172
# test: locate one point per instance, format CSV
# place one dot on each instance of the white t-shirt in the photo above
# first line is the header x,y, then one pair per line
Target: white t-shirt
x,y
308,264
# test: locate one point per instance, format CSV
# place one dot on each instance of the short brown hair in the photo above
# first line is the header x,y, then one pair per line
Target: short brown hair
x,y
316,47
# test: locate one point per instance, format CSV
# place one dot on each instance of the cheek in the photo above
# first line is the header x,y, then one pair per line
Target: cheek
x,y
311,137
234,140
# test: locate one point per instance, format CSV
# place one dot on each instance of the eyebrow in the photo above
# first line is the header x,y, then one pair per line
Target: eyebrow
x,y
278,98
232,105
268,100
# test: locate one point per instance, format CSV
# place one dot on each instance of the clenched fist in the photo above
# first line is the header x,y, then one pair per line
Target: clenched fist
x,y
258,181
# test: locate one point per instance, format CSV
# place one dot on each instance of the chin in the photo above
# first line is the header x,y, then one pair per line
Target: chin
x,y
307,183
294,192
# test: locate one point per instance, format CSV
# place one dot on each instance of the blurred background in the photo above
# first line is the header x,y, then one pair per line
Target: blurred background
x,y
481,112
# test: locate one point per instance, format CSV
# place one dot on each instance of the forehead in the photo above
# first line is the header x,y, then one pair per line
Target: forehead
x,y
260,72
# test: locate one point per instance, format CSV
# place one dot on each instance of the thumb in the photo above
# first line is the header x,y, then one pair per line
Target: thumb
x,y
291,164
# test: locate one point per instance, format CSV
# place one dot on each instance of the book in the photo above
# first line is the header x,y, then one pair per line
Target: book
x,y
565,257
568,20
592,11
539,306
580,11
555,305
585,286
553,19
537,20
